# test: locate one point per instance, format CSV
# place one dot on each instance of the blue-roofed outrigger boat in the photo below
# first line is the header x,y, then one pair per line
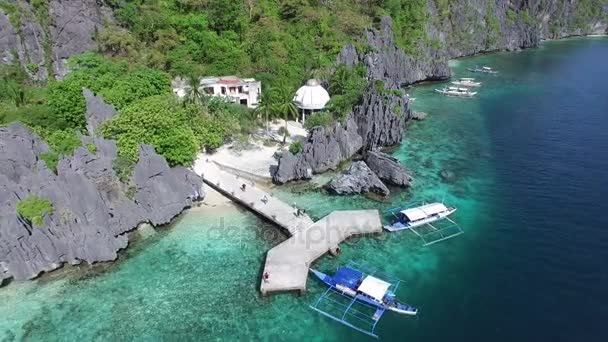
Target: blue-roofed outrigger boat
x,y
424,219
358,299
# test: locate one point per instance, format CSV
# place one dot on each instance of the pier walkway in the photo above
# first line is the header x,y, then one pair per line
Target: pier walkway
x,y
275,210
287,264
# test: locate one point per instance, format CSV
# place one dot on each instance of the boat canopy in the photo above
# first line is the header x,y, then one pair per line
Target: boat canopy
x,y
467,79
348,276
415,214
374,287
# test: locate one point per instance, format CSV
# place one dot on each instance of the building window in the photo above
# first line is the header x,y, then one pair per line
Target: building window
x,y
223,90
208,91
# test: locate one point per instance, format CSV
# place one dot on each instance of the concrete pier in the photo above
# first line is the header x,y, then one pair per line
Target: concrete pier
x,y
287,264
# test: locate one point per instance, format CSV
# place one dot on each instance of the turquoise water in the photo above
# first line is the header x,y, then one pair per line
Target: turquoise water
x,y
528,164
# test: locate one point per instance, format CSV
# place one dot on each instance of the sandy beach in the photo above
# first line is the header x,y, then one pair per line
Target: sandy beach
x,y
255,160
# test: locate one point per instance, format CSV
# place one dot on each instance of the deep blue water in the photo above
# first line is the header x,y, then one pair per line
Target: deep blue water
x,y
538,271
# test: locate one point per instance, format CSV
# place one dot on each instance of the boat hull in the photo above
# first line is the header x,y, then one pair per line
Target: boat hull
x,y
456,94
399,308
410,225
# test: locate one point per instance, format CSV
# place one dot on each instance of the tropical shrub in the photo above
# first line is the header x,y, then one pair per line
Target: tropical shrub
x,y
296,147
33,209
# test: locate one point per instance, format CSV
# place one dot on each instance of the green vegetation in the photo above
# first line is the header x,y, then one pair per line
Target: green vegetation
x,y
492,25
50,159
324,119
61,142
92,148
511,17
410,18
346,86
123,167
295,147
586,11
13,12
33,209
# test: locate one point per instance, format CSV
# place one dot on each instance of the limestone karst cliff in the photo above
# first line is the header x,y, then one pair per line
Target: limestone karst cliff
x,y
93,209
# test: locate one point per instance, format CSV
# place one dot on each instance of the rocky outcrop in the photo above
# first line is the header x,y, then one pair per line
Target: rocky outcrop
x,y
419,116
381,116
92,208
358,179
388,168
391,64
73,28
324,150
97,112
47,36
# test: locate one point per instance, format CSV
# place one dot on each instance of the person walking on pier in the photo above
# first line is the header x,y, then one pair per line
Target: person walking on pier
x,y
266,276
265,199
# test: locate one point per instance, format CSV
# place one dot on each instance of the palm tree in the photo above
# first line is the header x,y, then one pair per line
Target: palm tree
x,y
338,81
265,108
194,95
283,106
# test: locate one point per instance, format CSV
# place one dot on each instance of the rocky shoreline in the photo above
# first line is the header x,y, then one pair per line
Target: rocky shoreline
x,y
93,209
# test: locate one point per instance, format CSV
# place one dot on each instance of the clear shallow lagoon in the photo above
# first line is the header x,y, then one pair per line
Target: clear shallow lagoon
x,y
529,159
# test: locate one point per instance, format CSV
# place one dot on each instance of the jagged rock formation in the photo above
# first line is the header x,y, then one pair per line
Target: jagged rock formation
x,y
92,207
43,38
379,120
419,116
388,168
381,117
359,178
324,150
97,111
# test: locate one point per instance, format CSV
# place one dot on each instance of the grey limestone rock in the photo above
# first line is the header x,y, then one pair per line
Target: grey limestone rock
x,y
97,111
324,150
389,63
381,117
419,116
359,178
91,209
71,29
163,192
388,168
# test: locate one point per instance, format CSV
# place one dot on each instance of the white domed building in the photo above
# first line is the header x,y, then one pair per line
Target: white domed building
x,y
311,97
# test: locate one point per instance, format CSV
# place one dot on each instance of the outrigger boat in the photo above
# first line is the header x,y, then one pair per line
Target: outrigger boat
x,y
417,215
467,82
455,91
485,70
358,298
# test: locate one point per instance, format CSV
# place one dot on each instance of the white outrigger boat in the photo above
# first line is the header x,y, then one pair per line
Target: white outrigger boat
x,y
467,82
456,91
416,216
358,296
485,70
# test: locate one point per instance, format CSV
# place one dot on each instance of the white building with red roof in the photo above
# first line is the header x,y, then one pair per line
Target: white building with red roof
x,y
244,91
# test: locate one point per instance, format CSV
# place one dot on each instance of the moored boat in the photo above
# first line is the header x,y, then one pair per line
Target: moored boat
x,y
467,82
456,92
365,288
418,216
484,69
357,299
